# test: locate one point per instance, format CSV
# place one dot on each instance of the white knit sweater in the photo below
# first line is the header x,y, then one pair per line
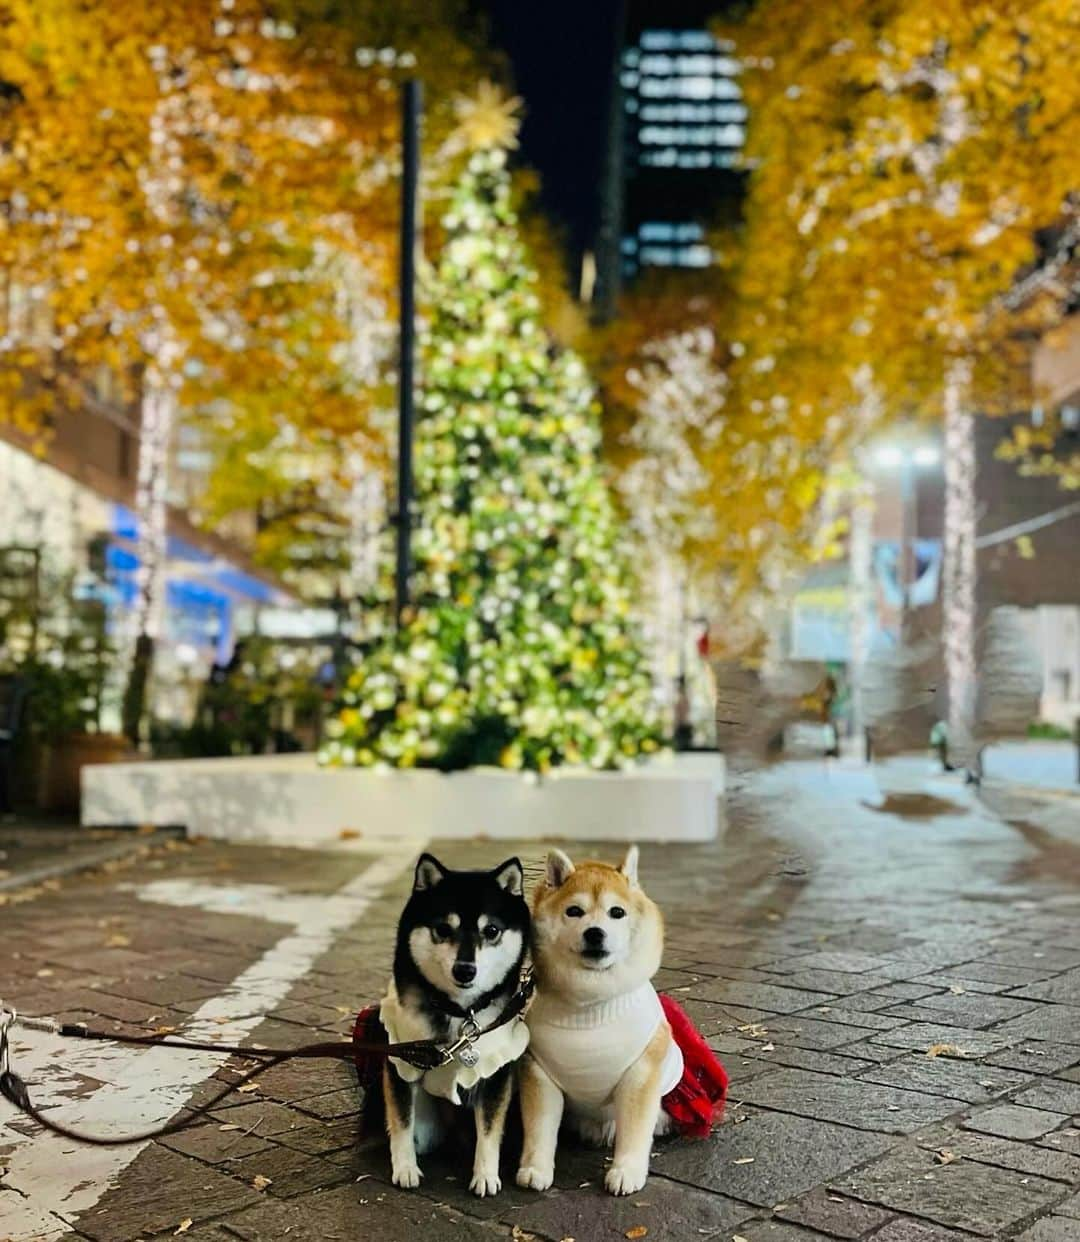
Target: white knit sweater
x,y
586,1049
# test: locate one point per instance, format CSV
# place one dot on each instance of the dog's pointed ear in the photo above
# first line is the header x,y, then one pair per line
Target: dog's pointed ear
x,y
628,867
509,875
429,872
559,869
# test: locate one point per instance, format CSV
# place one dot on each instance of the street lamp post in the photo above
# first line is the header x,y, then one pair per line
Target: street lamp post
x,y
410,178
908,565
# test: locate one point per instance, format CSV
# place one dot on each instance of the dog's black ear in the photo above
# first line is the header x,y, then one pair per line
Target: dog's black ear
x,y
429,872
509,875
559,869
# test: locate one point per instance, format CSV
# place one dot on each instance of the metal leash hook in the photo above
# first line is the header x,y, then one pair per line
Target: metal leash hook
x,y
11,1085
463,1049
7,1018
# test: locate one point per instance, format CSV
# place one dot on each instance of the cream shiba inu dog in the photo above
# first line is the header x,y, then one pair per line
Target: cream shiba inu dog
x,y
600,1048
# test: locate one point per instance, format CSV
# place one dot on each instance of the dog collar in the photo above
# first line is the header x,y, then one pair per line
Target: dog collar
x,y
463,1049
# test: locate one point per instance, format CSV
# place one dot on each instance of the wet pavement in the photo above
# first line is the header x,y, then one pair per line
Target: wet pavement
x,y
889,968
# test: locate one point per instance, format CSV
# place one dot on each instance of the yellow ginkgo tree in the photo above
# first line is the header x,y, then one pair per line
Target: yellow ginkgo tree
x,y
905,156
202,199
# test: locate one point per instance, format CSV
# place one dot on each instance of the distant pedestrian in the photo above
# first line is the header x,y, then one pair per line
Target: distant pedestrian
x,y
826,695
684,729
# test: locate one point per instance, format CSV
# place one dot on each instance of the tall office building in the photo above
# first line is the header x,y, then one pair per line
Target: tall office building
x,y
677,127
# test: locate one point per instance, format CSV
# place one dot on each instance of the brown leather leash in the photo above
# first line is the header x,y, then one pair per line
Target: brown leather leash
x,y
425,1054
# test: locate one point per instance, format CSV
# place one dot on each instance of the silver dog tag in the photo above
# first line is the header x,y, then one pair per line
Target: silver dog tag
x,y
468,1056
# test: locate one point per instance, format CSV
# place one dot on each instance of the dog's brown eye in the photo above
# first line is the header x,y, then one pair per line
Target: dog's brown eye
x,y
443,931
617,912
491,933
574,912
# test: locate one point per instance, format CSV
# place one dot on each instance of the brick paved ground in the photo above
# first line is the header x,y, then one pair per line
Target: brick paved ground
x,y
824,947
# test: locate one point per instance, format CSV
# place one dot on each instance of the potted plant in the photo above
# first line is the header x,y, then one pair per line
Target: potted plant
x,y
67,678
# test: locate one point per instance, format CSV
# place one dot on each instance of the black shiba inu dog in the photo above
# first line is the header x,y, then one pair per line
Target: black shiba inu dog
x,y
461,945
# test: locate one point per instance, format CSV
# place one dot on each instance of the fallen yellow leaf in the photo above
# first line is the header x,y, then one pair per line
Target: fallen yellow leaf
x,y
260,1182
945,1050
638,1231
185,1225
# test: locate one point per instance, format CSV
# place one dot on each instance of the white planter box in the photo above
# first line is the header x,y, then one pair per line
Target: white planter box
x,y
289,799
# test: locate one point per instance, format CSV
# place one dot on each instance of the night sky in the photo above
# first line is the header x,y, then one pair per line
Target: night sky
x,y
561,54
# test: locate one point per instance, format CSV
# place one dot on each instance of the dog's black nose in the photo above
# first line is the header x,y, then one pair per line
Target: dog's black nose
x,y
464,972
593,937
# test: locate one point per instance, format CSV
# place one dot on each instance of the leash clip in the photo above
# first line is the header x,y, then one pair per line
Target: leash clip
x,y
7,1020
462,1049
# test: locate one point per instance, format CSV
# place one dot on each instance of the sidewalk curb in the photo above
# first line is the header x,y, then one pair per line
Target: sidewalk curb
x,y
106,852
1032,791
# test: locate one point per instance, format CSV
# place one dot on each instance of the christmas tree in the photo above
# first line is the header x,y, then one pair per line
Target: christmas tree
x,y
518,648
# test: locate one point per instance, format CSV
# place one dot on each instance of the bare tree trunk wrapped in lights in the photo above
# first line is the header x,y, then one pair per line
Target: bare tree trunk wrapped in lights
x,y
158,412
860,567
959,565
681,390
1010,677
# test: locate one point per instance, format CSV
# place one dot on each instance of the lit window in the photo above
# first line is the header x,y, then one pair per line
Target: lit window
x,y
670,230
700,87
658,256
694,64
667,158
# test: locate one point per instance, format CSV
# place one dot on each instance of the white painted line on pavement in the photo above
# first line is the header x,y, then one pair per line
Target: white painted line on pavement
x,y
51,1180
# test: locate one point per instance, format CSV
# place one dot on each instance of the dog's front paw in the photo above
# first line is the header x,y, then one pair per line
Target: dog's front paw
x,y
485,1183
407,1176
533,1178
626,1179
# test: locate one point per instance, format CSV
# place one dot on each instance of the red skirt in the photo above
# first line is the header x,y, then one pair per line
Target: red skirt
x,y
696,1103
